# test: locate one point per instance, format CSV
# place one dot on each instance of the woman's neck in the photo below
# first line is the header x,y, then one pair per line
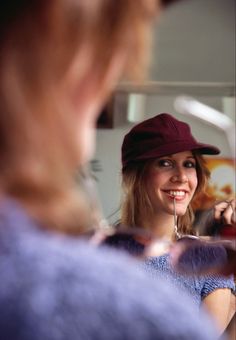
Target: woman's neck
x,y
162,226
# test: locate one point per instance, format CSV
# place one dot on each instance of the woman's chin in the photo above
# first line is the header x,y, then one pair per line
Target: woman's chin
x,y
181,212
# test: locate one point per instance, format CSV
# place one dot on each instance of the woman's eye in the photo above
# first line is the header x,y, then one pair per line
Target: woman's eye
x,y
163,163
190,164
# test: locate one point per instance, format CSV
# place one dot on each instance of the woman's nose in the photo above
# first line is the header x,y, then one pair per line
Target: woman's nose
x,y
179,176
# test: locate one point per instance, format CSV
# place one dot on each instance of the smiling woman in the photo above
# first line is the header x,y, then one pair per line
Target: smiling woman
x,y
163,170
168,180
165,146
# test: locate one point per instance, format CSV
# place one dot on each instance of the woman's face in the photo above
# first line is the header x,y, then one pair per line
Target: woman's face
x,y
172,177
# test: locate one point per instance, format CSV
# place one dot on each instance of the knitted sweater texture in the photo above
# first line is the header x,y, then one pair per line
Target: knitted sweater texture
x,y
56,287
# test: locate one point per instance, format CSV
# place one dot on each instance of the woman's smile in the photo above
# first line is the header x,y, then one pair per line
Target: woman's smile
x,y
178,195
172,177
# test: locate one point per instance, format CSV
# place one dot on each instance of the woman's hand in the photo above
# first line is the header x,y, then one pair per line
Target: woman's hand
x,y
224,211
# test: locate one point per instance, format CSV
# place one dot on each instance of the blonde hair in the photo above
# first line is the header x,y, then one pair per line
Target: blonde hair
x,y
136,202
39,42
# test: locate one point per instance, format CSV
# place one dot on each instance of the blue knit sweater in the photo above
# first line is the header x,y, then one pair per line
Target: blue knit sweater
x,y
197,286
60,288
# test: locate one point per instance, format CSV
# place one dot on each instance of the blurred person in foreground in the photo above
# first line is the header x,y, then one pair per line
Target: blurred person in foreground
x,y
59,61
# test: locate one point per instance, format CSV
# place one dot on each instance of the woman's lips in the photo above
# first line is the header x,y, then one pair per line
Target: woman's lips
x,y
176,194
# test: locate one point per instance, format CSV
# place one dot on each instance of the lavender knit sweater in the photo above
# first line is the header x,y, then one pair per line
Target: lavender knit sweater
x,y
60,288
196,286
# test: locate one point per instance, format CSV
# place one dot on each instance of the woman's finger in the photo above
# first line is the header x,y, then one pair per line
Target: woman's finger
x,y
219,208
232,205
227,215
225,211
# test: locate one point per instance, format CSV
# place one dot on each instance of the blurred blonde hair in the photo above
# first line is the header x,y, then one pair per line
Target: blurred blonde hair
x,y
136,203
39,42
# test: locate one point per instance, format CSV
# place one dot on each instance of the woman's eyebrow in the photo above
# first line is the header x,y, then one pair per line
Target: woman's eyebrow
x,y
168,156
172,157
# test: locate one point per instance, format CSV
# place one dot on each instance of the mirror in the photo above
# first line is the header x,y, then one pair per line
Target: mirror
x,y
194,55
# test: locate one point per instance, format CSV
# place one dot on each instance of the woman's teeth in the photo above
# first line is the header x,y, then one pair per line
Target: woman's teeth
x,y
177,193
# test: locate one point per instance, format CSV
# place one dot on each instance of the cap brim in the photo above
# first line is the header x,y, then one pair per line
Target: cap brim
x,y
207,149
170,149
166,150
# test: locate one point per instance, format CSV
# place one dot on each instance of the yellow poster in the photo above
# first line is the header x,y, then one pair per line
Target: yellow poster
x,y
222,183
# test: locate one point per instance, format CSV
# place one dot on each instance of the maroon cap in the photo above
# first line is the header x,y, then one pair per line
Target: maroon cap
x,y
160,136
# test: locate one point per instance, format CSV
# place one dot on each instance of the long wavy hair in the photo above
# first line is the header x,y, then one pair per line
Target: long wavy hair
x,y
40,42
136,202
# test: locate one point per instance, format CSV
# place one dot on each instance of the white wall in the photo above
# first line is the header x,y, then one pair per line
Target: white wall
x,y
195,41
